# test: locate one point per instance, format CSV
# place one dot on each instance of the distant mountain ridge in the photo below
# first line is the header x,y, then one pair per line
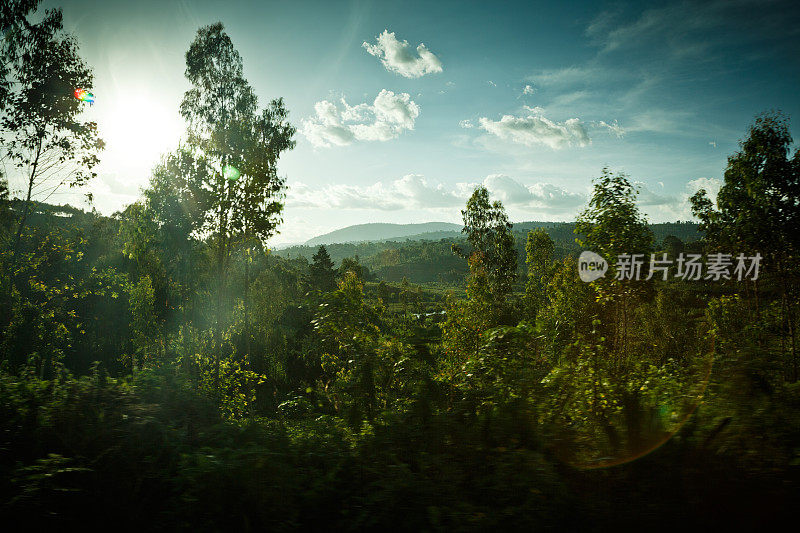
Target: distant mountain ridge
x,y
383,232
434,231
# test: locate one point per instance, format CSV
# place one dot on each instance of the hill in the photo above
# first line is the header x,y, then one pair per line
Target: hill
x,y
383,232
436,231
427,257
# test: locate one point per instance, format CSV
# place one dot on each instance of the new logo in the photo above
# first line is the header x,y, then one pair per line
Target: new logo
x,y
591,266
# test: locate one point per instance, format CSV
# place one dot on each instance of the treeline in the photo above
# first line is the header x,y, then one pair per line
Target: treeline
x,y
432,261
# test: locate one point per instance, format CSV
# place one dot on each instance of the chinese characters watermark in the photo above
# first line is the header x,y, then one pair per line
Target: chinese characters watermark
x,y
690,267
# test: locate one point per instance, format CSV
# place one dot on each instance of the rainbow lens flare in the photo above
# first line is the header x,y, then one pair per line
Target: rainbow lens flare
x,y
84,96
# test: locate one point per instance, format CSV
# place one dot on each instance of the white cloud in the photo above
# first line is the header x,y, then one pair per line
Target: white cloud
x,y
528,90
466,124
614,128
680,28
662,121
569,76
536,110
536,129
397,56
413,191
549,195
647,198
668,207
410,191
711,186
506,189
386,118
539,195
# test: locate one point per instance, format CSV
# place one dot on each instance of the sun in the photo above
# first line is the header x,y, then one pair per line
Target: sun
x,y
138,129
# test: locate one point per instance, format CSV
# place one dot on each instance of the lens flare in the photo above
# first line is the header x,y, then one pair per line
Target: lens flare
x,y
635,430
230,172
84,96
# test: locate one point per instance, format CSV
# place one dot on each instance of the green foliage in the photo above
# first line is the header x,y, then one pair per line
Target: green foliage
x,y
492,242
240,389
758,213
42,135
323,276
757,210
539,259
612,224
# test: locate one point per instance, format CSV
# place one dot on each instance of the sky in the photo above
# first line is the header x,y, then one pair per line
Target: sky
x,y
402,108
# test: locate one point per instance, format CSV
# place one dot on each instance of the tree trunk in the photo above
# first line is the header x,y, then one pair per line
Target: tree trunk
x,y
26,207
220,283
247,306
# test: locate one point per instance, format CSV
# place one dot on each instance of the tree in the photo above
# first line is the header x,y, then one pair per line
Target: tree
x,y
612,225
149,288
539,258
43,137
757,207
489,235
492,271
5,208
14,25
409,297
239,149
758,211
673,246
350,333
323,275
352,264
145,325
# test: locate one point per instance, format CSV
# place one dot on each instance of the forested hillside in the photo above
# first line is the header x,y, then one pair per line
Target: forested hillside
x,y
428,258
381,232
161,369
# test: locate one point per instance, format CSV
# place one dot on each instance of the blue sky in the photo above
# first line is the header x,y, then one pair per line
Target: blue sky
x,y
531,99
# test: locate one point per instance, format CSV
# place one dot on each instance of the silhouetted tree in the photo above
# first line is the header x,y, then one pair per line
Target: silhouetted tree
x,y
323,276
758,212
239,148
43,137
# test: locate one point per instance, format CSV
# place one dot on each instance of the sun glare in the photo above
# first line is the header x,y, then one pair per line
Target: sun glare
x,y
137,130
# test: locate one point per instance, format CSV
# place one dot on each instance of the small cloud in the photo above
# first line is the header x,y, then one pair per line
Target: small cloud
x,y
528,90
566,77
614,128
539,195
466,124
389,115
536,129
660,121
676,206
534,110
648,198
711,186
397,56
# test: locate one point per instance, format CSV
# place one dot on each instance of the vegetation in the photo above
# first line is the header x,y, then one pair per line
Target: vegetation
x,y
160,369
